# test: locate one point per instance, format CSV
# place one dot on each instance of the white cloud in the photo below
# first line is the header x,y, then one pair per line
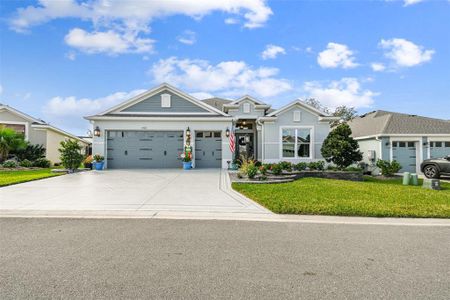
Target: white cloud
x,y
377,67
121,26
188,37
335,56
227,78
71,55
272,51
404,53
231,21
411,2
68,112
109,42
347,91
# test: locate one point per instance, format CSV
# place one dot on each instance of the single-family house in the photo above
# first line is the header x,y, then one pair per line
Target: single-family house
x,y
408,139
150,130
38,132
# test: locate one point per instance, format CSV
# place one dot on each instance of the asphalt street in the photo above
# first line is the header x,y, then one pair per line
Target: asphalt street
x,y
198,259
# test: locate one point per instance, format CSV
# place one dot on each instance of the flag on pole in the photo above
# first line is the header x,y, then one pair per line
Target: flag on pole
x,y
232,140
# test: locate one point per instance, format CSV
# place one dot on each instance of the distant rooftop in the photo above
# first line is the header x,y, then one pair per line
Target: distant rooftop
x,y
217,102
384,122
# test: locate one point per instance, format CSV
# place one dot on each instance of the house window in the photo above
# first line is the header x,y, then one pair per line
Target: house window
x,y
297,116
246,108
165,100
296,143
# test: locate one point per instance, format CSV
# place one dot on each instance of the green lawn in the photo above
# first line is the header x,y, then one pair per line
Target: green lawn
x,y
13,177
373,197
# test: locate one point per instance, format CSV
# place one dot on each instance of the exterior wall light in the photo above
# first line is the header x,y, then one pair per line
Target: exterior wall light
x,y
97,131
188,132
227,132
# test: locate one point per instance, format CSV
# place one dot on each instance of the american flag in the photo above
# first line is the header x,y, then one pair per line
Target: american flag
x,y
232,140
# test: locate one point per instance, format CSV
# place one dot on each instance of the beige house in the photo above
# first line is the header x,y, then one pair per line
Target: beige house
x,y
38,132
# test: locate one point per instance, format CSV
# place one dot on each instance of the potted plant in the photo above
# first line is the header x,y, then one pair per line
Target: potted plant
x,y
186,157
88,162
98,162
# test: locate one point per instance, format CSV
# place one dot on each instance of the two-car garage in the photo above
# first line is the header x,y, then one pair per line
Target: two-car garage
x,y
127,149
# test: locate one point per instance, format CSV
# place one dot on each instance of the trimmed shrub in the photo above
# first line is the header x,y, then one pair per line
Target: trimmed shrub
x,y
26,163
317,165
71,156
10,164
353,169
276,169
388,168
42,163
301,166
30,152
285,165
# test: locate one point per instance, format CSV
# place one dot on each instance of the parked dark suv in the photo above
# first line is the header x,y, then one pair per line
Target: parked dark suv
x,y
435,167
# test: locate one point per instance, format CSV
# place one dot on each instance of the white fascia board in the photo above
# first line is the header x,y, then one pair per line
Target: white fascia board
x,y
20,114
301,104
161,87
247,97
168,119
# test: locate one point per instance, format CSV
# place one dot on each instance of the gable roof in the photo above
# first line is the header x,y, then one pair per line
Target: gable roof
x,y
217,102
21,114
301,104
37,123
381,122
158,89
247,97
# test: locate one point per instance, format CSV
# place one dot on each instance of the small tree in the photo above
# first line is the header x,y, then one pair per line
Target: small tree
x,y
71,156
344,113
10,141
340,148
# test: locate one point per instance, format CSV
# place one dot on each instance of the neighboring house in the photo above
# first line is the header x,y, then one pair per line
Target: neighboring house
x,y
37,131
408,139
150,130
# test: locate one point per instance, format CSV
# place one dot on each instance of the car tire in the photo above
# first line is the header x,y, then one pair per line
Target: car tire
x,y
431,171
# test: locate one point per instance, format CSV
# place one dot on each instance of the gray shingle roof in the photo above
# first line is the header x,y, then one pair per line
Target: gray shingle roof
x,y
217,102
385,122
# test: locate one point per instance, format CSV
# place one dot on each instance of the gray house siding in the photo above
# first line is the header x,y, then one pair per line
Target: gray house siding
x,y
254,112
272,138
153,104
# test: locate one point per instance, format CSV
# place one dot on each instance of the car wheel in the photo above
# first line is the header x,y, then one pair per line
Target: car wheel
x,y
431,171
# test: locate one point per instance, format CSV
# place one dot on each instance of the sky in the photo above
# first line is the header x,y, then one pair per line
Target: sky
x,y
61,60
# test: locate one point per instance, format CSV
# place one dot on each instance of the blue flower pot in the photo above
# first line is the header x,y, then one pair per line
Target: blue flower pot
x,y
187,165
99,165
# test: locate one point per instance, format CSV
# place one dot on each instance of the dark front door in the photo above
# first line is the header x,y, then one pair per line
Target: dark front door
x,y
245,145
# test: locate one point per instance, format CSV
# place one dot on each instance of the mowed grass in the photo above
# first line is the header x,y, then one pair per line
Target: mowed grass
x,y
373,197
19,176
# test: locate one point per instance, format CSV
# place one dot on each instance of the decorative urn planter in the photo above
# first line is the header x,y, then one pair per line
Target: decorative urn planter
x,y
99,165
187,165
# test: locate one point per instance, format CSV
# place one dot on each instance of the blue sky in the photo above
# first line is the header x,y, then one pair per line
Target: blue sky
x,y
61,60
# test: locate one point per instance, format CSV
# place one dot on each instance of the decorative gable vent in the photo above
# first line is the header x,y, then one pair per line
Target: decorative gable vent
x,y
246,108
165,100
297,116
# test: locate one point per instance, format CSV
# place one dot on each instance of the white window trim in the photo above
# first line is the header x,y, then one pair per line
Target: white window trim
x,y
27,129
311,143
166,100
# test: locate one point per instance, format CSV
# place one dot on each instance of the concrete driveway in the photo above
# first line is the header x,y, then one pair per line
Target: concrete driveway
x,y
206,190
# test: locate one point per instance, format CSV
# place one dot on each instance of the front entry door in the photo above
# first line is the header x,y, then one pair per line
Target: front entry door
x,y
245,145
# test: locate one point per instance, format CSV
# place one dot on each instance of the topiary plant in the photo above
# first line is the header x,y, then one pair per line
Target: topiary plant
x,y
340,148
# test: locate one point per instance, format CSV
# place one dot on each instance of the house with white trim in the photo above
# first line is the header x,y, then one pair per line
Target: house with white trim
x,y
408,139
151,129
38,132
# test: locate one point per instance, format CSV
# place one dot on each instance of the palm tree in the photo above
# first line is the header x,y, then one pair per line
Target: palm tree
x,y
9,140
